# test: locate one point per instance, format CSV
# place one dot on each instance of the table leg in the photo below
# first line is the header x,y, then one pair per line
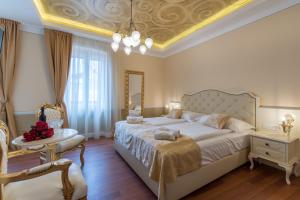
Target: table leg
x,y
52,152
250,157
288,172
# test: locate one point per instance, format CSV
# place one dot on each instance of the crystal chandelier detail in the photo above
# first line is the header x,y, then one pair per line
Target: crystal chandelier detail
x,y
131,39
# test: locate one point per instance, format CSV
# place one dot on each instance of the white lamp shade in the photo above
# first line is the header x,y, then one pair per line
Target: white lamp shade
x,y
115,46
143,49
127,50
117,37
149,43
135,43
135,35
127,41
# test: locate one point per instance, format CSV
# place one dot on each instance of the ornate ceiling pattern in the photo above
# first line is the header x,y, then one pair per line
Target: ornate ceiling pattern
x,y
163,20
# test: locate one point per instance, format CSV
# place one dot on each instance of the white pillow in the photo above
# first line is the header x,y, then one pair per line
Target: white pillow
x,y
238,125
191,116
202,119
216,120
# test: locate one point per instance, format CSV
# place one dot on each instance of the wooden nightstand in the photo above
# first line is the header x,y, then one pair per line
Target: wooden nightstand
x,y
274,147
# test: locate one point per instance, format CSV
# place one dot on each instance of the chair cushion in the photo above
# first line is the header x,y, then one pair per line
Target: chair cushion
x,y
52,114
47,187
69,143
3,146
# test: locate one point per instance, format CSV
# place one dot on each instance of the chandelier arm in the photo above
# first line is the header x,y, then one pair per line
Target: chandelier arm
x,y
130,23
133,38
131,1
131,17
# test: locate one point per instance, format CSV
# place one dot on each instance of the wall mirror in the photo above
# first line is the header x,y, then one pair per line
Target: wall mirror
x,y
134,93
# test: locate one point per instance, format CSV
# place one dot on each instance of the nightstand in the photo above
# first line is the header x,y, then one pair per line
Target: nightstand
x,y
275,147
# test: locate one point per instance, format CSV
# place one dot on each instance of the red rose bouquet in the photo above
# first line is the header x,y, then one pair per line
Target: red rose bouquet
x,y
38,132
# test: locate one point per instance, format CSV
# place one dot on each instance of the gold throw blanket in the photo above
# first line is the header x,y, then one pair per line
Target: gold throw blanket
x,y
174,159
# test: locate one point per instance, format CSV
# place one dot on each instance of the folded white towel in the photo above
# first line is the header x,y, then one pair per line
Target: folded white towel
x,y
164,136
164,133
134,113
134,119
174,132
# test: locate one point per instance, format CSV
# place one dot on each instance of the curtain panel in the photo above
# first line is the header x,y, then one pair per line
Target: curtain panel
x,y
1,34
8,56
91,94
59,46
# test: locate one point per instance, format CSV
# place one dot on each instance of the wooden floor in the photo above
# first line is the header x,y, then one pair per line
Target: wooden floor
x,y
109,177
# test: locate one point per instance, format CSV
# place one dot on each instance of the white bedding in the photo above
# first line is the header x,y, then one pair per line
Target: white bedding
x,y
214,143
197,131
221,146
161,121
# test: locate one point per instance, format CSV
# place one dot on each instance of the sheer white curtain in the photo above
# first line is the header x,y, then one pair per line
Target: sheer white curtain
x,y
91,93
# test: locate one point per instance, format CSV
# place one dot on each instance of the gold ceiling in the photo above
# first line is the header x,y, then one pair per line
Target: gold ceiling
x,y
166,21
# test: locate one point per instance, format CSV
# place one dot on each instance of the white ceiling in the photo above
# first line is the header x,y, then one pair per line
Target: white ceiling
x,y
25,12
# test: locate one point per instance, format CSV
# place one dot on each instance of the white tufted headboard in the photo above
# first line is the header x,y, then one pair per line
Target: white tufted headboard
x,y
242,105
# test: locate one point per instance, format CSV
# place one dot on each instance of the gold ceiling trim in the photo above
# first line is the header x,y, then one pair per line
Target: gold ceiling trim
x,y
50,18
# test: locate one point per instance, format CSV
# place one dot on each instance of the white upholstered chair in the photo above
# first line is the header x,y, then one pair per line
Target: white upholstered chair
x,y
53,115
58,180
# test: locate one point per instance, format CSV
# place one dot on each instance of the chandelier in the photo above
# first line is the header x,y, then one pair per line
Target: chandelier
x,y
131,39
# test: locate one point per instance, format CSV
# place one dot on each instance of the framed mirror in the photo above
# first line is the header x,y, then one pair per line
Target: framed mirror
x,y
134,93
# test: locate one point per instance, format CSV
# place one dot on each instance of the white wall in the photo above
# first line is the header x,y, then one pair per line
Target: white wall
x,y
153,72
32,82
33,85
261,57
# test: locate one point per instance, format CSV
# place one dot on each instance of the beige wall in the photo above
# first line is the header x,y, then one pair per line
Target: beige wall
x,y
33,84
153,72
262,57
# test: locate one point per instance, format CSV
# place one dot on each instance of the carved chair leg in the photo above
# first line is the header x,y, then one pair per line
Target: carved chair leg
x,y
82,147
82,150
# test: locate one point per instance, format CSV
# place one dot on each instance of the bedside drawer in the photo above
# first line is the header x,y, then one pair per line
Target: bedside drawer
x,y
268,153
268,144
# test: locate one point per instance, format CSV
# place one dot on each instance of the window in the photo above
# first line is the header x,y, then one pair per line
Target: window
x,y
89,94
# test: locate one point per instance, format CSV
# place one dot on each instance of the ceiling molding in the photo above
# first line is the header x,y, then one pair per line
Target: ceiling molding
x,y
166,21
32,28
253,12
40,30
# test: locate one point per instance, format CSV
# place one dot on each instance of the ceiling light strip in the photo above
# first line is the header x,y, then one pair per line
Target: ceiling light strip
x,y
68,22
224,12
75,24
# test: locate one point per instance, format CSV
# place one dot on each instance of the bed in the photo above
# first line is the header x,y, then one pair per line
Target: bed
x,y
220,154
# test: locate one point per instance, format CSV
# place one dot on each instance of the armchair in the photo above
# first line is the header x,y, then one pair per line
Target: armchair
x,y
54,113
58,180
